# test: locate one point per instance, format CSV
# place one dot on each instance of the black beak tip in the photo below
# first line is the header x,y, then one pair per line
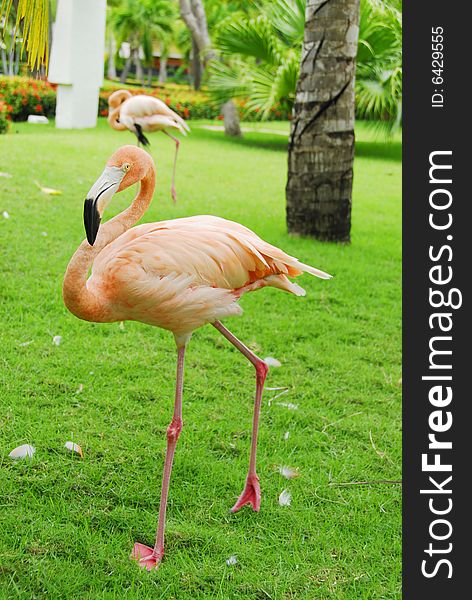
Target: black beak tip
x,y
91,220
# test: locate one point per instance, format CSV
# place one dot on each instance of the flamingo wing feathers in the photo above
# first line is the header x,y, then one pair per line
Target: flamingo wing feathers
x,y
215,252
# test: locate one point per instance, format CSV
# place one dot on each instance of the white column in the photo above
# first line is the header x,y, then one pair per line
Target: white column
x,y
77,61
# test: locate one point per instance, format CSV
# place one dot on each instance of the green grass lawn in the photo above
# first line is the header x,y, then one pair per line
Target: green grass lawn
x,y
68,525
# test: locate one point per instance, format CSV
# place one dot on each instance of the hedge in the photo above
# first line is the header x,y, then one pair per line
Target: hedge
x,y
4,124
21,97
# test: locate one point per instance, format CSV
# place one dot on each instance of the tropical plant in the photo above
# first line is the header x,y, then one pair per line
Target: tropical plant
x,y
4,117
379,64
32,24
321,146
261,58
140,23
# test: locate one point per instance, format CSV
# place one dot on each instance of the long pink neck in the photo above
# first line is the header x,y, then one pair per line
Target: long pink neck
x,y
82,302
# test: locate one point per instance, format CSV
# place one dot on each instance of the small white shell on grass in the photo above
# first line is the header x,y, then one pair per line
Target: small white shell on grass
x,y
288,472
272,362
286,435
26,450
74,448
285,498
5,214
232,560
57,339
44,233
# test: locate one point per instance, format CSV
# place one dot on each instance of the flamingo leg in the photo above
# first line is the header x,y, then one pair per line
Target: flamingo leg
x,y
251,493
177,145
151,557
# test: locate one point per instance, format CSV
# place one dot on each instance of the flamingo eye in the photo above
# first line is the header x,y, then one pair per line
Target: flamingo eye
x,y
126,167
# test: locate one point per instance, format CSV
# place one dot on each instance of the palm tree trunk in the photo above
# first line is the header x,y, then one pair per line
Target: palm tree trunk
x,y
139,66
17,61
321,149
196,65
163,65
126,69
4,62
11,61
231,119
111,71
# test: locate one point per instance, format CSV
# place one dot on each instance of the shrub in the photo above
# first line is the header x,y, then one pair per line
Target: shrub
x,y
4,118
28,97
23,97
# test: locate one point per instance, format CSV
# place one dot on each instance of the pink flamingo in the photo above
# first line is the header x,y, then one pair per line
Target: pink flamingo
x,y
145,113
178,275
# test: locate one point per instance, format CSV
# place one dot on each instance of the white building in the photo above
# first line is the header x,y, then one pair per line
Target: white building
x,y
76,61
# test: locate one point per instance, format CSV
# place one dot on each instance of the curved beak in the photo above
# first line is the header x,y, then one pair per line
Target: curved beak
x,y
97,199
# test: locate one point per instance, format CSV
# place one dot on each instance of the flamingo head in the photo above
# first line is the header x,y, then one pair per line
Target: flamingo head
x,y
127,166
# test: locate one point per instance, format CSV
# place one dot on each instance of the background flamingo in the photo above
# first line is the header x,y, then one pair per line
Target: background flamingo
x,y
145,113
178,275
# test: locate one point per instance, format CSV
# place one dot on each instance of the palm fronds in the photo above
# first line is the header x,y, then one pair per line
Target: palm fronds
x,y
288,19
250,37
379,65
32,21
260,58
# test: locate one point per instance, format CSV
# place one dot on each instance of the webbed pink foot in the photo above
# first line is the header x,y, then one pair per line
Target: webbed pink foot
x,y
146,557
251,494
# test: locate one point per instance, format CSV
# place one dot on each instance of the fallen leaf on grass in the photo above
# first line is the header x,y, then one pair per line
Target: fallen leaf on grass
x,y
272,362
7,175
47,190
285,498
57,339
288,472
285,390
74,448
232,560
22,452
80,389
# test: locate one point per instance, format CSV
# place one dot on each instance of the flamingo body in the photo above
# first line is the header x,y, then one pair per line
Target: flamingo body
x,y
150,113
185,273
178,275
145,113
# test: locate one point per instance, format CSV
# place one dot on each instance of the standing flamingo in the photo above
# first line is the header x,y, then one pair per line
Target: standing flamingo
x,y
145,113
178,275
